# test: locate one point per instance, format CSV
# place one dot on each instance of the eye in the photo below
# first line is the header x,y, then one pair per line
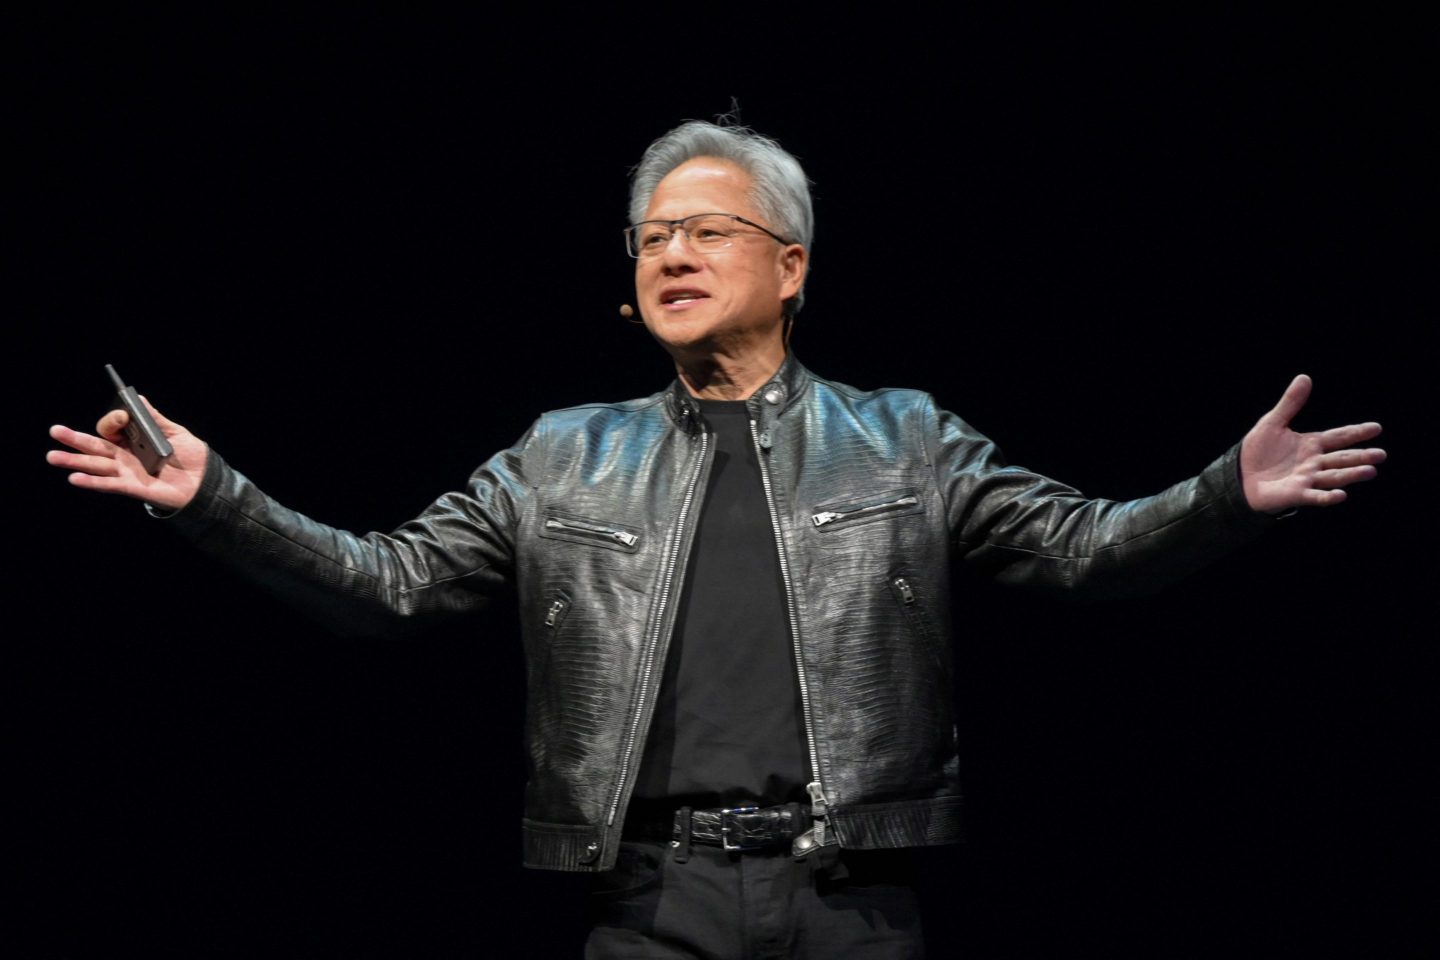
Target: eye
x,y
652,237
711,230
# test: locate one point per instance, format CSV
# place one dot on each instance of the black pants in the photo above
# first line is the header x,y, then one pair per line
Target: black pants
x,y
753,906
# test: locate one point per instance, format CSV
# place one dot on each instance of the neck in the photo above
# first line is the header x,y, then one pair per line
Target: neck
x,y
720,377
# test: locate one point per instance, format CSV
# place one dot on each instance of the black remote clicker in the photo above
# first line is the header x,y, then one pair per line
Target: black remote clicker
x,y
141,433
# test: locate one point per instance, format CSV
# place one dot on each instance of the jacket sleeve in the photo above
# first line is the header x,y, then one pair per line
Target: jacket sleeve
x,y
450,559
1026,529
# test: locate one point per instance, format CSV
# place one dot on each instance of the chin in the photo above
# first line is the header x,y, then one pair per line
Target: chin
x,y
676,334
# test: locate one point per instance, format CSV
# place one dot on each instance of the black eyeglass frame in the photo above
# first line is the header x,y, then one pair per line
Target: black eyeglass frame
x,y
632,247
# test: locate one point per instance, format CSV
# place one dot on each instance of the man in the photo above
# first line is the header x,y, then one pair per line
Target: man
x,y
734,593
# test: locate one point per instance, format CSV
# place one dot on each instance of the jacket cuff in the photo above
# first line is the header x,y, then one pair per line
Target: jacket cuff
x,y
200,512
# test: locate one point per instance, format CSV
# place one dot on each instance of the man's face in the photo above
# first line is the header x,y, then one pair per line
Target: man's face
x,y
726,302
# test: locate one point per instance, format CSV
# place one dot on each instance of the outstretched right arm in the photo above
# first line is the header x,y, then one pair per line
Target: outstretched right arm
x,y
450,559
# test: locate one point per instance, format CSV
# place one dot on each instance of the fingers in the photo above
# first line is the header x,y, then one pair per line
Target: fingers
x,y
1292,401
95,460
1322,498
1334,479
93,465
83,442
96,457
1349,435
1352,458
88,481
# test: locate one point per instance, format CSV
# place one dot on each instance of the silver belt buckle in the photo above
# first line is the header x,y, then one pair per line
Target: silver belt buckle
x,y
728,826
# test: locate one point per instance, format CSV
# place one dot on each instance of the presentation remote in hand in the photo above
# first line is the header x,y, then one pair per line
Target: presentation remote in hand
x,y
142,434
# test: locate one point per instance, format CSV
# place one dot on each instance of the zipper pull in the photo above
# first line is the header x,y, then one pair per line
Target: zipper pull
x,y
814,838
556,608
818,806
907,592
825,516
818,810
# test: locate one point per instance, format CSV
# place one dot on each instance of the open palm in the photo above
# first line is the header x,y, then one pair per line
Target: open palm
x,y
1283,469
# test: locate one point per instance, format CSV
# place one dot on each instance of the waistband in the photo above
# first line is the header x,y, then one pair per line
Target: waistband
x,y
736,829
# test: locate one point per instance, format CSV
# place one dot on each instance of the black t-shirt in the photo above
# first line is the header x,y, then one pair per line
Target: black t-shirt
x,y
728,728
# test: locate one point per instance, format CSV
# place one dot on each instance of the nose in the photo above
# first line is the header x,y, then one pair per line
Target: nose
x,y
679,256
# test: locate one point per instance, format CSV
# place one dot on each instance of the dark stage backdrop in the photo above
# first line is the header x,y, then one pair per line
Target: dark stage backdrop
x,y
358,255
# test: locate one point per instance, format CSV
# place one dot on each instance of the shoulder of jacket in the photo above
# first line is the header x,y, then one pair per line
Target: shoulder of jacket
x,y
893,397
616,413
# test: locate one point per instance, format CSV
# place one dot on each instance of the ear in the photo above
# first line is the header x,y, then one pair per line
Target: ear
x,y
794,260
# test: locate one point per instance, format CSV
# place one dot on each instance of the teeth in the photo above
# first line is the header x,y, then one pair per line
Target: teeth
x,y
683,298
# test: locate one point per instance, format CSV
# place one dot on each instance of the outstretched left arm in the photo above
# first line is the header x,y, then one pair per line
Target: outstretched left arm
x,y
1282,469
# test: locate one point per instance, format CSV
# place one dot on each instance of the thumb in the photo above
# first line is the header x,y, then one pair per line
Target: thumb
x,y
1293,400
112,425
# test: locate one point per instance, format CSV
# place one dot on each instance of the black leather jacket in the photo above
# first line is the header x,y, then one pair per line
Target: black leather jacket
x,y
590,517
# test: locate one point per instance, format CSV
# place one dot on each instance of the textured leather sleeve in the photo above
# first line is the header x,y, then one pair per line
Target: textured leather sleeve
x,y
1024,528
450,559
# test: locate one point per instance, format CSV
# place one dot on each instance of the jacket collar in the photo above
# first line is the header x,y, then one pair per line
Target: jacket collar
x,y
766,403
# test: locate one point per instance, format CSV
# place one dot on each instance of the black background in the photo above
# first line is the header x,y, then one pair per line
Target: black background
x,y
358,253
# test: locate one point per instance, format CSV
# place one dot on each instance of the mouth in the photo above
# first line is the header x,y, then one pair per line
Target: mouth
x,y
680,298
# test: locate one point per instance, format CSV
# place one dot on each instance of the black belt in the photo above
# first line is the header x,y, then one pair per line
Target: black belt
x,y
737,829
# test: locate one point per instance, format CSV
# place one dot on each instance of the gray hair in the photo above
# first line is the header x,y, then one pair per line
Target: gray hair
x,y
780,192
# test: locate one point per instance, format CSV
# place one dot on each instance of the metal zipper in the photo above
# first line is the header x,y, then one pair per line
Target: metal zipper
x,y
667,582
592,530
914,617
552,616
818,805
830,516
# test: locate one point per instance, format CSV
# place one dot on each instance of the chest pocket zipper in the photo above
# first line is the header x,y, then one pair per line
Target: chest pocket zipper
x,y
846,514
589,531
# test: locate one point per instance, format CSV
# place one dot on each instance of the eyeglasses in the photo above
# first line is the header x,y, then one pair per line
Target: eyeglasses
x,y
706,233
